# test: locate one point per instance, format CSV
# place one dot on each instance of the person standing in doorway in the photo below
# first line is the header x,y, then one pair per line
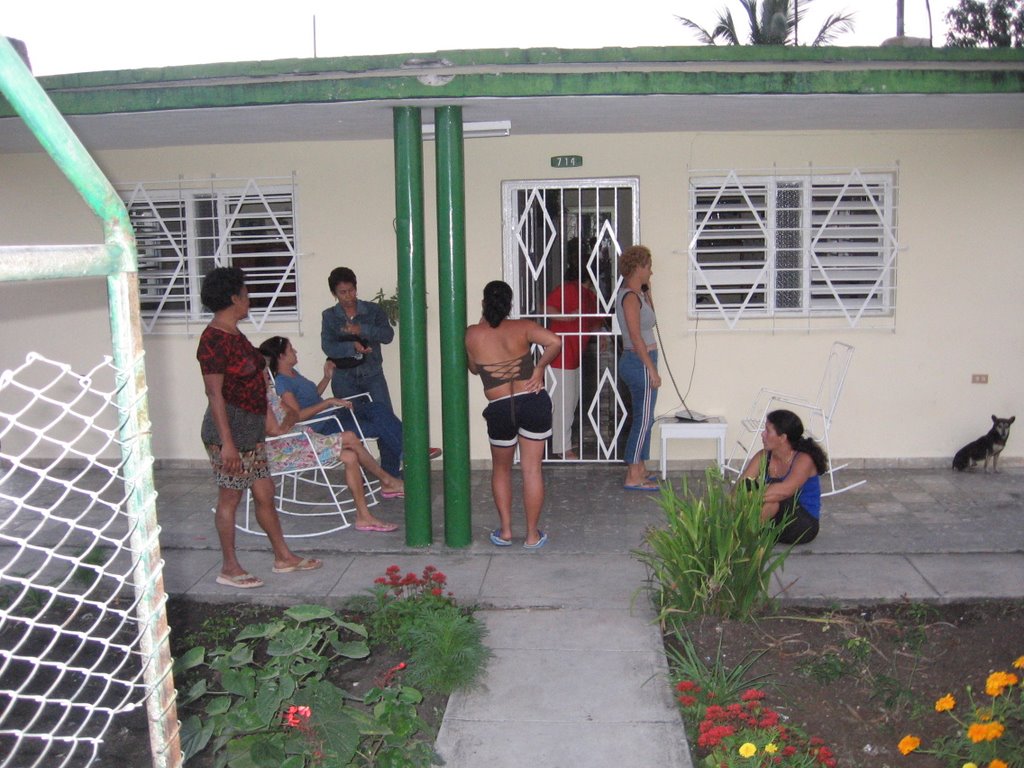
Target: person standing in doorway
x,y
573,310
638,365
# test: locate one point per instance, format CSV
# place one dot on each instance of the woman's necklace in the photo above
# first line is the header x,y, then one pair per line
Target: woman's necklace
x,y
782,463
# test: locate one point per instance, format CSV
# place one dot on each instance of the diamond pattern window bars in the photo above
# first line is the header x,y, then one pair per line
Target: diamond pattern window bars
x,y
186,228
804,245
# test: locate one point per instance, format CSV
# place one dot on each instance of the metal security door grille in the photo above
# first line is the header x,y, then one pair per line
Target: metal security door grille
x,y
553,231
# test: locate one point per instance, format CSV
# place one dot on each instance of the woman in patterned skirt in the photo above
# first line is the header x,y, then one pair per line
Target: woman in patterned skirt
x,y
234,426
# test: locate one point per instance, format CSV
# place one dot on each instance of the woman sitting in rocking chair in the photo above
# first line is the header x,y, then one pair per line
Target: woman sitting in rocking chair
x,y
297,451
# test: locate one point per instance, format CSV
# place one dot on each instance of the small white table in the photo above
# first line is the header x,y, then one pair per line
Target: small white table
x,y
712,429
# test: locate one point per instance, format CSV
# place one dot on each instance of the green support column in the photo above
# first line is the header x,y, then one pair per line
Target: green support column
x,y
451,269
412,314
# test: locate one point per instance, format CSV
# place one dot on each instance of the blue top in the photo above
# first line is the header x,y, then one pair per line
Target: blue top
x,y
305,391
647,319
809,494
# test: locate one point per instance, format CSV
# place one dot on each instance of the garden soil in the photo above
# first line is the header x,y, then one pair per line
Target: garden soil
x,y
862,679
858,678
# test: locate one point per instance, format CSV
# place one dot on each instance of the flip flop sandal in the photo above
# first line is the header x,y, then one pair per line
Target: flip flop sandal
x,y
241,581
539,543
305,564
377,528
497,541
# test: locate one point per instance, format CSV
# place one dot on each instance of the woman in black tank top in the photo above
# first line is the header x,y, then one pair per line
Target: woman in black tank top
x,y
500,351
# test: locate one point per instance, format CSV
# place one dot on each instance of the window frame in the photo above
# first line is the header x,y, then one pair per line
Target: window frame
x,y
840,234
185,228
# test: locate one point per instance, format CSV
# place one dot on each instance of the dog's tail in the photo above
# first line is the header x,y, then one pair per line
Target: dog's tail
x,y
960,461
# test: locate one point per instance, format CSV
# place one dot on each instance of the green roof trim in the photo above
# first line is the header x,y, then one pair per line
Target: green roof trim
x,y
537,72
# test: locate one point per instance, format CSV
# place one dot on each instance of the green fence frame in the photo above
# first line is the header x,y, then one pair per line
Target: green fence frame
x,y
117,261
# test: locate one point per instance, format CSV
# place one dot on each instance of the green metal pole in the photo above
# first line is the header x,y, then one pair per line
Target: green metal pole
x,y
451,270
412,314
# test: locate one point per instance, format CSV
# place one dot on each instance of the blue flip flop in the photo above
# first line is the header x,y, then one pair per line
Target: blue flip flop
x,y
540,542
496,539
647,488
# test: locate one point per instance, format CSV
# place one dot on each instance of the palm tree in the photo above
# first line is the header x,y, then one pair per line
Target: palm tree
x,y
776,24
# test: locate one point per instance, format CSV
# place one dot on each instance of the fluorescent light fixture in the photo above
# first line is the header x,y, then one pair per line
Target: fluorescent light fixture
x,y
478,130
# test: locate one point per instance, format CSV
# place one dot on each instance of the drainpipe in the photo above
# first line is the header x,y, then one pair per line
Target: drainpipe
x,y
451,269
412,315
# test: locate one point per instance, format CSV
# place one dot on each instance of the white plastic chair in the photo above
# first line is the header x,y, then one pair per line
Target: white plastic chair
x,y
816,412
308,491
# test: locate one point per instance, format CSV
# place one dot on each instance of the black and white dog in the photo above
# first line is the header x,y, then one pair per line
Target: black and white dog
x,y
986,447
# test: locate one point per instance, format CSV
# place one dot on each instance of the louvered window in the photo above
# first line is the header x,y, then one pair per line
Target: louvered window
x,y
184,229
793,246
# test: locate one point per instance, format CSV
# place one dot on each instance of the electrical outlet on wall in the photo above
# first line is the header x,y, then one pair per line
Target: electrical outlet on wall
x,y
979,378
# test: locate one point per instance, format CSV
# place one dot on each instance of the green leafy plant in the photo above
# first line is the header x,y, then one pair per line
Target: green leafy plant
x,y
989,733
826,668
446,650
714,555
389,304
394,707
251,692
398,601
414,612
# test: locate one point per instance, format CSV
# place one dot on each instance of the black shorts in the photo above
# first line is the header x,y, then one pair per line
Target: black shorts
x,y
527,414
801,527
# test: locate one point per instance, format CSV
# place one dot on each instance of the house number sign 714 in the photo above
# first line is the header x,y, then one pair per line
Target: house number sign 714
x,y
566,161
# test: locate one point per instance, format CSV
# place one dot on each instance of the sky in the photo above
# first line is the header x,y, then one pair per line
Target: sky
x,y
104,34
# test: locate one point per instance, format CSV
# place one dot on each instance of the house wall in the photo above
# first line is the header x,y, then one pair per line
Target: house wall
x,y
908,396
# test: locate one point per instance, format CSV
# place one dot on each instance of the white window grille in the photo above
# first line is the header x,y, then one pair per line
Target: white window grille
x,y
794,245
184,229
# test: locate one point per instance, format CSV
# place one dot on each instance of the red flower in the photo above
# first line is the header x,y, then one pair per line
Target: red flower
x,y
687,685
437,591
752,694
293,716
687,701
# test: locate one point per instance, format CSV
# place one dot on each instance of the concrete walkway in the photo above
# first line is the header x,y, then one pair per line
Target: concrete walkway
x,y
578,674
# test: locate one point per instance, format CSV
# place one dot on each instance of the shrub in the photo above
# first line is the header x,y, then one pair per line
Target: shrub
x,y
444,642
446,650
715,555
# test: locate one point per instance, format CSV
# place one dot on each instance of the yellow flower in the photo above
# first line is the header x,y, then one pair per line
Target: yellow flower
x,y
945,704
984,731
970,765
998,681
908,744
748,750
1019,663
770,748
997,763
